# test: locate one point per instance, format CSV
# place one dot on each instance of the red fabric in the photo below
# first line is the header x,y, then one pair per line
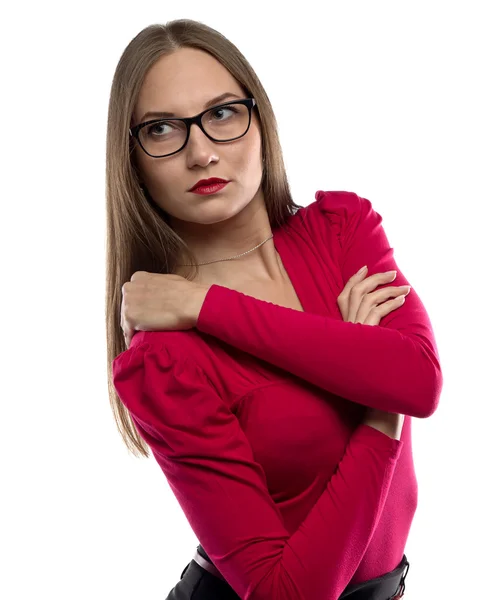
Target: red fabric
x,y
255,416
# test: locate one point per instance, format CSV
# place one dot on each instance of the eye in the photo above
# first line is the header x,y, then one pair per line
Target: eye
x,y
221,109
161,128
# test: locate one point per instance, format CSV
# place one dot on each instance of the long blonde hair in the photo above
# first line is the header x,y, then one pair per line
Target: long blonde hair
x,y
139,237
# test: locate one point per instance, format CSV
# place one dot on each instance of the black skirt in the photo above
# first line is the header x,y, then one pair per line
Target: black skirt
x,y
198,584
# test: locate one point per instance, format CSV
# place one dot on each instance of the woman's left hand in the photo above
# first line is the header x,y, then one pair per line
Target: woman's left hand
x,y
159,302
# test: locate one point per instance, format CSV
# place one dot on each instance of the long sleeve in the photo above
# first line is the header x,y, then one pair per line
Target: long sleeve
x,y
209,465
393,366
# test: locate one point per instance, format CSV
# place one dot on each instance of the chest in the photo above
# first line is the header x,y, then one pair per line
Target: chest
x,y
283,295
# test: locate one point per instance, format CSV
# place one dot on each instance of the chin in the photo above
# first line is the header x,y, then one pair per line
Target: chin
x,y
210,212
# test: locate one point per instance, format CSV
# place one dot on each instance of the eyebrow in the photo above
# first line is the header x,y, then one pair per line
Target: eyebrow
x,y
206,105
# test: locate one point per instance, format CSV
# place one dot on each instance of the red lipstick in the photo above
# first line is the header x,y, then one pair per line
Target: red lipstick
x,y
209,186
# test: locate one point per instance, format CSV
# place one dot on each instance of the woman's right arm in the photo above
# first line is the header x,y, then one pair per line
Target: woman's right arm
x,y
209,465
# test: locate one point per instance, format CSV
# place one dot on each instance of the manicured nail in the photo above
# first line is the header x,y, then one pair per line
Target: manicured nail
x,y
362,269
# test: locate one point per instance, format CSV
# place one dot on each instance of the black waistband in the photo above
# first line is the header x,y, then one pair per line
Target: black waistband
x,y
381,588
389,585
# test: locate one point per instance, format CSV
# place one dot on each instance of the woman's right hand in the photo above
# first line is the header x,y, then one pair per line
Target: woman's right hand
x,y
359,303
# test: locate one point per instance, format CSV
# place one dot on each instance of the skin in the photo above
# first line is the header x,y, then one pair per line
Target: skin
x,y
233,220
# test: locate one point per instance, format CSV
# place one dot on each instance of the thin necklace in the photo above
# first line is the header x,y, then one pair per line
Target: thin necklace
x,y
231,258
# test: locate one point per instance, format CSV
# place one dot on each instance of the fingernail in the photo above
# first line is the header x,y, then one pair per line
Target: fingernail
x,y
362,269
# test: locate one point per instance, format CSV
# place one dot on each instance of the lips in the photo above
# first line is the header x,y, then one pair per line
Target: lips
x,y
208,182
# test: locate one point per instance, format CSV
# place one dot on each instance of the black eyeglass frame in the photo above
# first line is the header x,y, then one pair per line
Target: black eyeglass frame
x,y
197,119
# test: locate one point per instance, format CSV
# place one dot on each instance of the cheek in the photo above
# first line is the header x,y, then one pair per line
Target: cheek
x,y
147,169
157,174
251,158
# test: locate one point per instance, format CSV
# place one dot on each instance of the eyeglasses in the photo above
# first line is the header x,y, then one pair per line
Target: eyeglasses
x,y
221,123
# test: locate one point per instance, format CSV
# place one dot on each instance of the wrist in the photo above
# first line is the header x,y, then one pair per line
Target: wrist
x,y
389,423
198,298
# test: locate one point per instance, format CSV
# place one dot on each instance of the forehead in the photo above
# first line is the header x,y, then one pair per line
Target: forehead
x,y
182,82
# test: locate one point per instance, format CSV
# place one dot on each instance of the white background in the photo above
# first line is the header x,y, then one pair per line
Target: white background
x,y
407,101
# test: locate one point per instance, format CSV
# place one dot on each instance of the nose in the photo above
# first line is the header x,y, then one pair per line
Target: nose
x,y
200,150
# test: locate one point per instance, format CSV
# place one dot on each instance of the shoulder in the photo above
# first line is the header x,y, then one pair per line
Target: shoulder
x,y
339,205
169,352
157,372
335,212
176,343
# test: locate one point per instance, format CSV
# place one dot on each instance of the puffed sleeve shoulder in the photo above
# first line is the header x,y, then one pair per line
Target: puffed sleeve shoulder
x,y
360,234
358,238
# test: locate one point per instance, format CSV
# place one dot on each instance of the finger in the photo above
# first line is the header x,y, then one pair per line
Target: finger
x,y
141,275
343,298
361,304
360,289
370,283
128,332
364,285
357,309
378,312
349,301
380,296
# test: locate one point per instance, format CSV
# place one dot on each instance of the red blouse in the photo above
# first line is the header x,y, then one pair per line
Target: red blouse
x,y
254,416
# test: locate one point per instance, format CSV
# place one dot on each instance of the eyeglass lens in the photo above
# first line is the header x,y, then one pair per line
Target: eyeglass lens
x,y
222,123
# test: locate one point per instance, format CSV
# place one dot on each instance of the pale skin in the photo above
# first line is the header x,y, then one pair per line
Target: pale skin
x,y
224,224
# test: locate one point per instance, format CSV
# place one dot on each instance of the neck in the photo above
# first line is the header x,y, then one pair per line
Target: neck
x,y
262,266
229,238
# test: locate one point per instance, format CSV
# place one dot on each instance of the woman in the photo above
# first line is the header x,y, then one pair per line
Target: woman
x,y
279,418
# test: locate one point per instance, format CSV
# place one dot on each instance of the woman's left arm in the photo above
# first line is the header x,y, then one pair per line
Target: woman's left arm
x,y
393,367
